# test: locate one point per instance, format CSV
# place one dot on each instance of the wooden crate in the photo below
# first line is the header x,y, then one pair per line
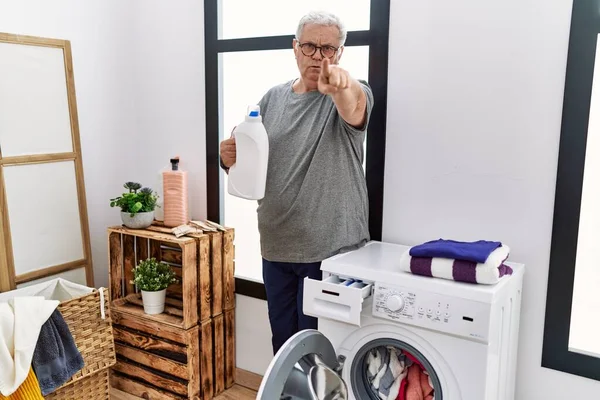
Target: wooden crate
x,y
206,260
159,361
189,302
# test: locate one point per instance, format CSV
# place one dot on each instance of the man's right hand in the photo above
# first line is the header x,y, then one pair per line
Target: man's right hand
x,y
227,150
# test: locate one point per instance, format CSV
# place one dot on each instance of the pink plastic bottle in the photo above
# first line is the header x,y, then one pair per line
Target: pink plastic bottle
x,y
175,192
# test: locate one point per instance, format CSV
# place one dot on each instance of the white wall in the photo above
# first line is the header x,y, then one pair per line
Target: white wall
x,y
138,103
100,40
475,106
170,96
474,112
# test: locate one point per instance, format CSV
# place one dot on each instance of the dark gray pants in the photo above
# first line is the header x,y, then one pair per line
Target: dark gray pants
x,y
284,283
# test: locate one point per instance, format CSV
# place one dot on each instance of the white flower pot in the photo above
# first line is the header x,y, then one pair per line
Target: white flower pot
x,y
138,221
154,302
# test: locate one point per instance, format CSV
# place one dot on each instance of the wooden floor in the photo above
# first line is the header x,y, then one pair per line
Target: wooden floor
x,y
245,389
237,392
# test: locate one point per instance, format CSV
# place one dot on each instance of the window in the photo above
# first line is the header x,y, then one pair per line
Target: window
x,y
237,52
572,327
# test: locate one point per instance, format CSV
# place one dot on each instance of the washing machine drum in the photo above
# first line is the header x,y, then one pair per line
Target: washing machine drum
x,y
307,368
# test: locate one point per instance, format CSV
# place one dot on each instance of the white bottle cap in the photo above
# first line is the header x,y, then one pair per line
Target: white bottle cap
x,y
254,110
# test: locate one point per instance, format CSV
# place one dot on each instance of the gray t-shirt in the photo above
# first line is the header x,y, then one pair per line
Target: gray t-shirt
x,y
316,202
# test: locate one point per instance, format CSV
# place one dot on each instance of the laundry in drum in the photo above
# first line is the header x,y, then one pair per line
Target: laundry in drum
x,y
396,374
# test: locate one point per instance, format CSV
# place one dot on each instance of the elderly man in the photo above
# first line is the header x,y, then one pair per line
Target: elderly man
x,y
316,203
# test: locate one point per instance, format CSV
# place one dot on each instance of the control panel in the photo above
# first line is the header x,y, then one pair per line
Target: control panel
x,y
432,310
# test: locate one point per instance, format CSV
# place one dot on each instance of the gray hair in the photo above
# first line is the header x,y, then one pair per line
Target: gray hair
x,y
322,18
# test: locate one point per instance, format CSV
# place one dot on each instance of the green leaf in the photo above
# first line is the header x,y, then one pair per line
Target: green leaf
x,y
136,207
134,201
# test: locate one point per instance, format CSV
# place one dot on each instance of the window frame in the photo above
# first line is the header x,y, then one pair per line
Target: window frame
x,y
585,27
377,38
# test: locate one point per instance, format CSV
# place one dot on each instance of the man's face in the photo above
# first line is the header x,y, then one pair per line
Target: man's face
x,y
312,37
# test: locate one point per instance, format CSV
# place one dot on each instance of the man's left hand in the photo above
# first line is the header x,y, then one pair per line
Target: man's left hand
x,y
332,78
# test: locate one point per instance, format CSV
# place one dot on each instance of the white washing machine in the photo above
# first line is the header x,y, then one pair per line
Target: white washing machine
x,y
464,335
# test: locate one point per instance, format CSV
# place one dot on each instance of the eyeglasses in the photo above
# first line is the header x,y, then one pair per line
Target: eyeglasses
x,y
309,49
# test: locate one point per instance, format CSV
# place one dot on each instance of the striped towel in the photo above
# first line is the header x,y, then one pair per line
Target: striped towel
x,y
488,273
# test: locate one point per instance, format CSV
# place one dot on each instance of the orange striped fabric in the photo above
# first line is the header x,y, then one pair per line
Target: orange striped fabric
x,y
29,390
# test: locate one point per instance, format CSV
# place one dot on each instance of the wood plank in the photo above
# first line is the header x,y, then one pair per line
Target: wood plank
x,y
153,361
7,272
237,393
228,270
165,237
123,306
115,265
194,371
79,175
150,377
219,353
141,249
216,269
160,229
155,250
206,368
116,394
204,278
140,323
49,271
230,369
170,309
190,285
144,342
128,263
175,289
178,271
248,379
171,256
135,389
174,302
33,40
38,158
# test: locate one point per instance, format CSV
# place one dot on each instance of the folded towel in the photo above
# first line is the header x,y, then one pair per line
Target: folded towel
x,y
56,358
477,252
29,389
21,319
488,273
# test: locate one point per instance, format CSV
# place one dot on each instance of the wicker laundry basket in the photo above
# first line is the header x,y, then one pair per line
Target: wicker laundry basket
x,y
94,338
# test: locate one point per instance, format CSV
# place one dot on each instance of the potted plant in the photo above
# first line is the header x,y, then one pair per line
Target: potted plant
x,y
153,278
137,205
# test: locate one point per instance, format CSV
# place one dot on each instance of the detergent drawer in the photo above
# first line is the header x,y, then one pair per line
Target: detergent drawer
x,y
335,298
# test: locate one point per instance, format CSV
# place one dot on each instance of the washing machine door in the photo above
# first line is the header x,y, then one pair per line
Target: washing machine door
x,y
305,368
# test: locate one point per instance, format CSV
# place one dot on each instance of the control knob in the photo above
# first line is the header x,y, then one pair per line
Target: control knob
x,y
395,303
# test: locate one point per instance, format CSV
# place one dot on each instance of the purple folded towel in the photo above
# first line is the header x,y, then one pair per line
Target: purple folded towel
x,y
490,272
476,252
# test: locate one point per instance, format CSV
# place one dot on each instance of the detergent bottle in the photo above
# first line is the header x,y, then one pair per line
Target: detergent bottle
x,y
175,189
248,176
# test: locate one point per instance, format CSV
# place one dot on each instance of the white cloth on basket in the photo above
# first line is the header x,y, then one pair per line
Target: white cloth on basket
x,y
21,319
